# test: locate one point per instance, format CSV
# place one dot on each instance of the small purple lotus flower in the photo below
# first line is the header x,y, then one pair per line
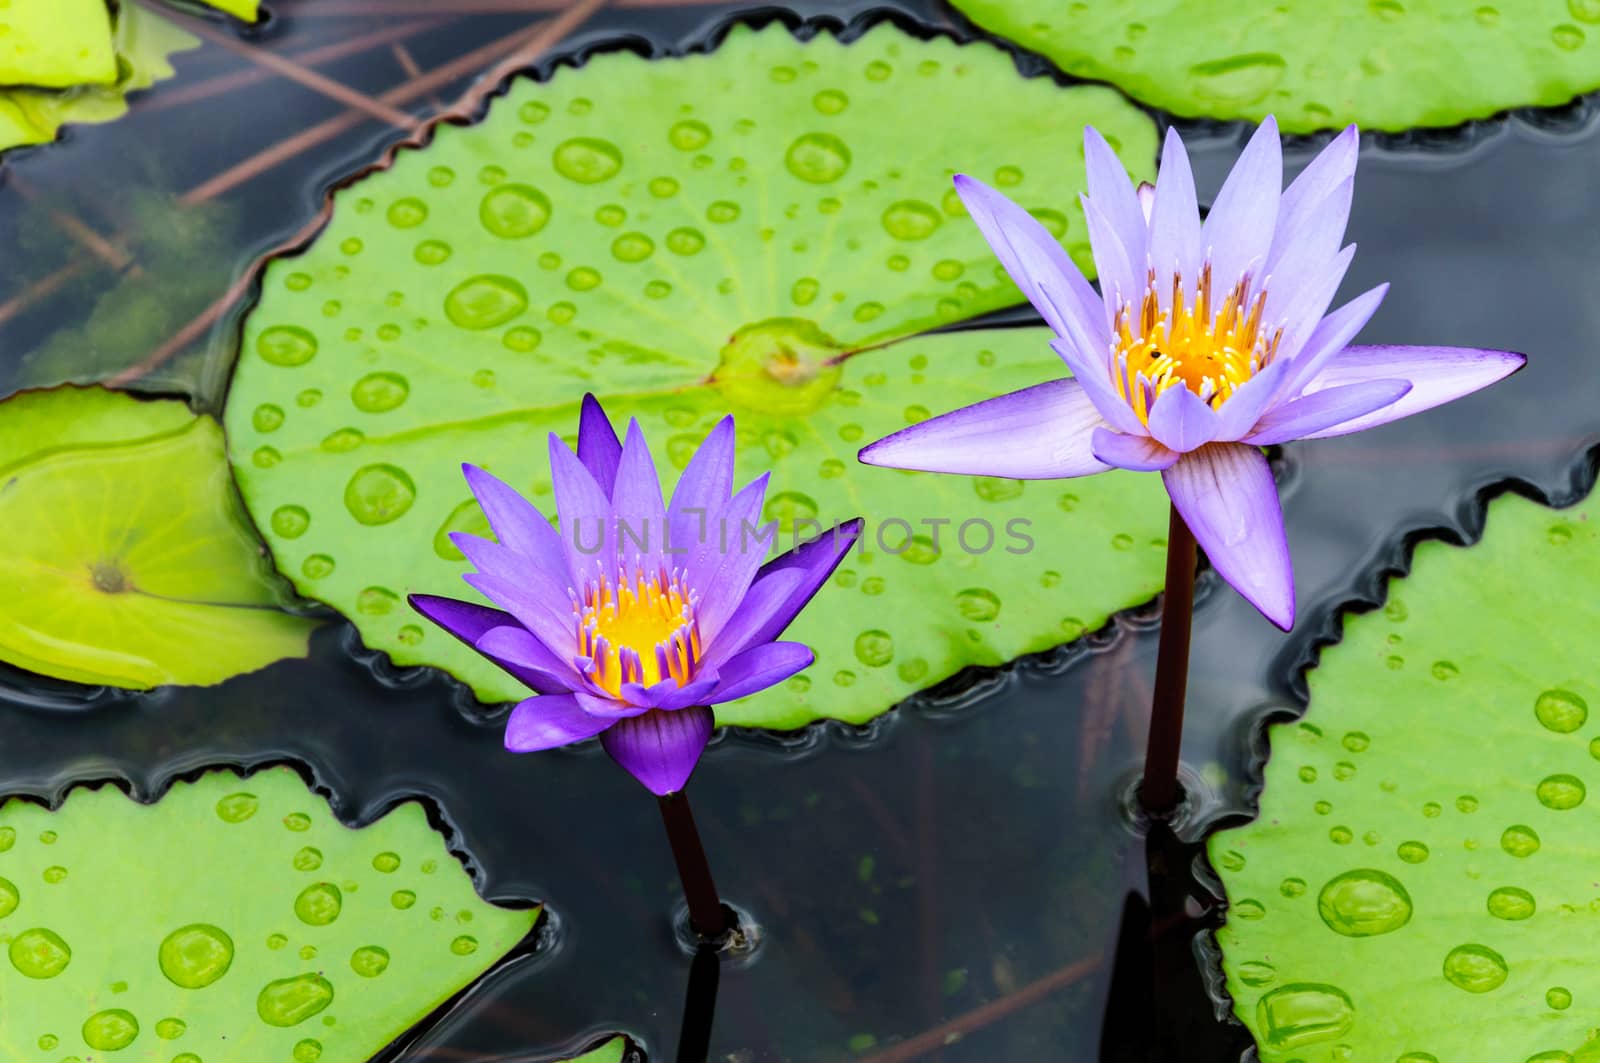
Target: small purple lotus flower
x,y
639,615
1209,342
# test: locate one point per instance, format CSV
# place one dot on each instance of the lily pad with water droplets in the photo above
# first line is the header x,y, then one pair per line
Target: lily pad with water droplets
x,y
757,230
56,43
1318,64
128,561
1421,883
234,919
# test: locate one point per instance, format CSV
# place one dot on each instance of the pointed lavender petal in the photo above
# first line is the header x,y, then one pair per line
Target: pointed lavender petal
x,y
724,570
1311,256
1226,495
515,520
548,617
1237,234
1038,433
816,561
1250,400
1329,338
638,513
668,696
1122,278
1175,219
1030,256
1090,366
760,667
1437,375
1134,453
660,749
513,646
1302,309
598,448
469,622
1317,412
1111,189
548,721
768,594
605,705
1181,420
1306,194
584,511
703,489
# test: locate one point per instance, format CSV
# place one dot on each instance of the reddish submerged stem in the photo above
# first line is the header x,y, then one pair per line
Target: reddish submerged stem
x,y
706,914
1159,793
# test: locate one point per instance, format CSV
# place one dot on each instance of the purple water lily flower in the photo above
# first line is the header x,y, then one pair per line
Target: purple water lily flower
x,y
639,615
1208,342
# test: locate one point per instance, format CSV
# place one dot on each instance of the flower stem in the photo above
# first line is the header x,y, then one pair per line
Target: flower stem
x,y
1159,793
699,1006
706,914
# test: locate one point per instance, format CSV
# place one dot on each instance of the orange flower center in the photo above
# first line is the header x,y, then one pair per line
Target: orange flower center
x,y
639,630
1211,348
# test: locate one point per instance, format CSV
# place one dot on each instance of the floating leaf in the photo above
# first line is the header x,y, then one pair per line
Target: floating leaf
x,y
56,43
1318,64
248,10
145,42
746,231
612,1051
127,560
1421,880
235,919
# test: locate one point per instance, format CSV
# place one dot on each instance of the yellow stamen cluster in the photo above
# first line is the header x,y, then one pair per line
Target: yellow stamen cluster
x,y
1211,348
638,630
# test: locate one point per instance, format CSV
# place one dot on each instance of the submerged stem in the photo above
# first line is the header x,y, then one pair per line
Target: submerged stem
x,y
1159,793
706,914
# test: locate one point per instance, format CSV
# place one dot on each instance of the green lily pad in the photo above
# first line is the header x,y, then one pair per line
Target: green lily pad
x,y
1318,64
128,561
234,919
1420,884
56,43
145,43
610,1052
248,10
756,230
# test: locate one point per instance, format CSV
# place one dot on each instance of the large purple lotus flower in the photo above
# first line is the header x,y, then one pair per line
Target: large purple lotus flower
x,y
639,615
1208,342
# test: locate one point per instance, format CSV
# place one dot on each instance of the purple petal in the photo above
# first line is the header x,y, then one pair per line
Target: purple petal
x,y
1122,280
1182,420
1313,254
1306,194
1031,255
660,749
1329,338
703,489
767,595
1135,453
584,509
598,448
1089,365
1175,219
639,514
668,696
1250,400
1038,433
1437,375
1111,189
1238,232
816,560
469,622
762,666
1302,309
536,608
1225,494
604,705
1321,410
548,721
514,648
724,567
515,521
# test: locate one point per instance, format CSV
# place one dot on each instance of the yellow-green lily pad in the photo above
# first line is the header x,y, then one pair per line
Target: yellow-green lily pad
x,y
128,561
233,920
56,43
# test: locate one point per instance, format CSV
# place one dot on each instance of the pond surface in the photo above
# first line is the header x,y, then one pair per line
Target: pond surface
x,y
947,884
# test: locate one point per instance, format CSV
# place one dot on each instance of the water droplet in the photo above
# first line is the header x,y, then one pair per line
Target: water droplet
x,y
1511,904
351,246
111,1030
1466,803
1356,742
465,945
1412,852
1584,10
632,247
804,291
874,648
685,241
1231,860
663,187
722,212
818,158
1340,835
407,213
1558,998
54,874
1303,1013
441,176
689,135
978,604
1364,903
319,904
1247,909
1475,968
1487,16
878,70
514,211
1445,670
267,417
1561,792
9,897
830,101
485,301
1567,37
587,160
39,953
1520,841
369,961
1292,887
996,488
236,808
317,566
1256,973
286,345
307,1051
1237,79
402,899
1561,711
297,282
431,252
910,219
290,522
291,1001
378,494
1387,10
194,956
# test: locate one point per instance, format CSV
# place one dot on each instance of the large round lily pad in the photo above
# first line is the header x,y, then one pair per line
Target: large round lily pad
x,y
1318,64
1421,882
128,561
233,920
757,230
56,44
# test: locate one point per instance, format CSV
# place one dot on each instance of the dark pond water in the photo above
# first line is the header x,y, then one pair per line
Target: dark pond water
x,y
955,883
